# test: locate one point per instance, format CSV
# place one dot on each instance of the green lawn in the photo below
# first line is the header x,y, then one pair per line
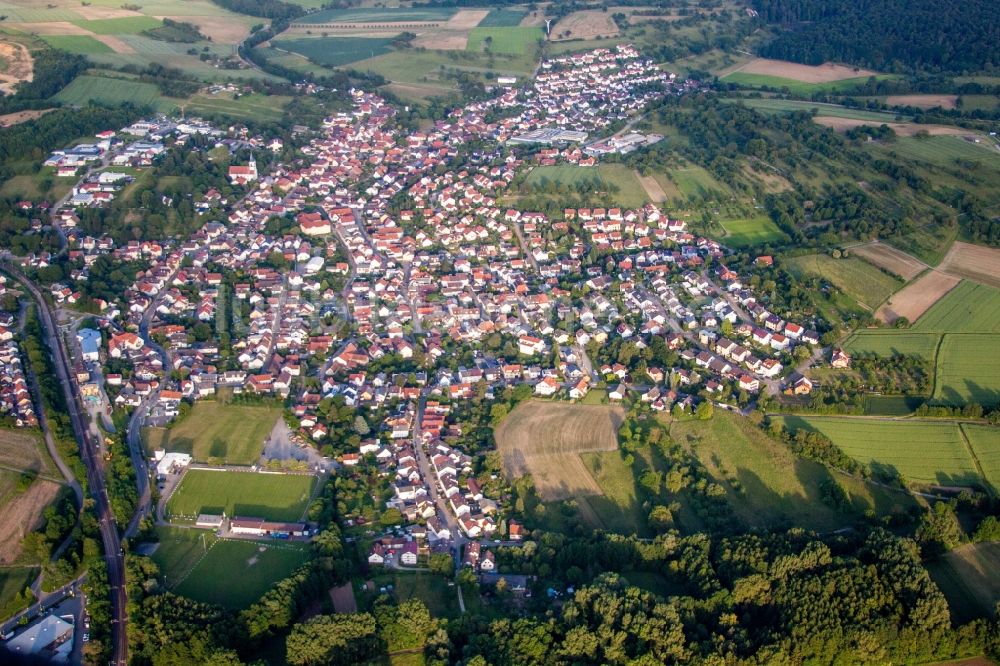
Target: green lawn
x,y
628,192
336,51
775,105
757,230
857,278
511,40
83,44
248,494
218,431
179,550
379,15
13,581
107,90
799,87
921,451
985,443
120,26
235,573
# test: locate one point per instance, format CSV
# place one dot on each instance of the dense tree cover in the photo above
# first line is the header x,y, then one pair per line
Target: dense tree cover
x,y
886,35
272,9
333,639
52,70
16,234
120,482
177,630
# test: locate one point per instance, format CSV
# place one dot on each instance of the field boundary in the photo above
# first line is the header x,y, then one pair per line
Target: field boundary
x,y
975,458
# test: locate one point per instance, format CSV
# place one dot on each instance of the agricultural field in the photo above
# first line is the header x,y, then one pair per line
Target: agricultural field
x,y
24,450
913,300
693,182
967,577
923,101
107,90
766,484
120,26
379,15
236,573
777,105
629,191
257,107
758,230
13,582
618,508
335,51
946,150
82,44
585,24
890,259
800,79
968,308
22,510
921,452
968,370
280,497
866,284
502,18
217,431
974,262
888,342
979,102
985,443
544,439
512,41
748,80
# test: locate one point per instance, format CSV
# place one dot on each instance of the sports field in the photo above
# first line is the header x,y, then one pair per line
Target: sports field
x,y
86,88
336,51
281,497
217,431
924,452
544,439
502,18
236,573
856,278
379,15
757,230
512,41
967,577
985,443
627,190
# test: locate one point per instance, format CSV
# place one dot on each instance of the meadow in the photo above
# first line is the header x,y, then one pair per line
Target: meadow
x,y
920,451
378,15
24,450
776,105
82,44
619,507
107,90
236,573
280,497
217,431
508,40
968,370
857,278
757,230
749,80
967,577
502,18
695,182
440,599
261,108
627,191
945,150
120,26
336,51
766,484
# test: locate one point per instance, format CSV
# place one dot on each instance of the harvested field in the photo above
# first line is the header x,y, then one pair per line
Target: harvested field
x,y
805,73
544,439
923,101
9,119
890,259
53,28
974,262
466,19
115,44
20,66
21,515
453,35
586,24
653,189
916,298
901,129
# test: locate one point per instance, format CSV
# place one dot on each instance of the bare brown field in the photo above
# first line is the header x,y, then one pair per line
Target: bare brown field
x,y
9,119
222,29
22,451
21,515
974,262
923,101
96,13
544,439
917,297
901,129
585,24
466,19
454,34
889,258
116,44
805,73
652,187
20,66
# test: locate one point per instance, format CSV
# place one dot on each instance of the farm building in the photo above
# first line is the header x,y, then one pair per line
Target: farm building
x,y
261,527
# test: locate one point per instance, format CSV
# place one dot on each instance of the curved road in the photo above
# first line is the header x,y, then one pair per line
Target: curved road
x,y
113,553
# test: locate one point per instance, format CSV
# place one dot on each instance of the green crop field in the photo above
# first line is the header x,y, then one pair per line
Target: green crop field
x,y
86,88
858,279
945,150
506,40
753,231
606,176
502,18
967,577
39,13
979,102
769,105
282,497
253,107
336,51
83,44
968,370
968,308
236,573
799,87
985,443
767,485
120,26
379,15
13,581
233,434
925,452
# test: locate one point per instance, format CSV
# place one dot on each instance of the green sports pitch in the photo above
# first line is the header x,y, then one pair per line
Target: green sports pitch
x,y
270,496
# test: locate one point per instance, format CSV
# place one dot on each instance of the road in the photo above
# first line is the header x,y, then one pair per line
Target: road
x,y
113,554
45,601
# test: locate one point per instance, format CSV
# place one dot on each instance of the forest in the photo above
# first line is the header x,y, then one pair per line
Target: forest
x,y
903,36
